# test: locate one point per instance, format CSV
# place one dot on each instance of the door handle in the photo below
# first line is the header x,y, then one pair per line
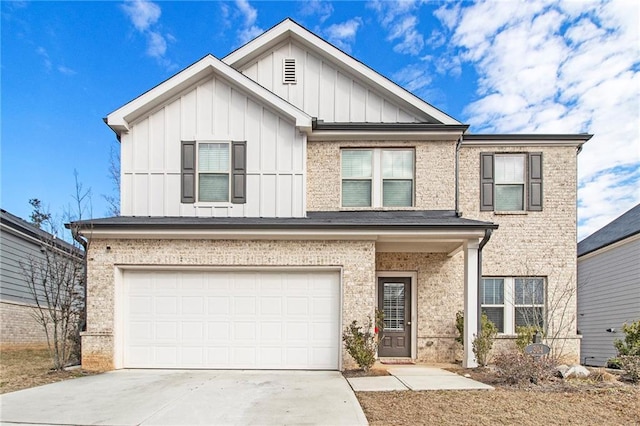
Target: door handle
x,y
408,322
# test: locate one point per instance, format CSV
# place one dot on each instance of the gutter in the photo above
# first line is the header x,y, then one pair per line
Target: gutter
x,y
485,240
457,172
85,244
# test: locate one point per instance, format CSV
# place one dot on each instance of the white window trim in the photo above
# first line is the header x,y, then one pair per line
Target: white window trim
x,y
377,178
197,167
510,305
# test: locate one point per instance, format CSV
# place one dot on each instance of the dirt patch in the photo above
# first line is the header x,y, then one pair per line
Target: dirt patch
x,y
23,367
583,402
361,373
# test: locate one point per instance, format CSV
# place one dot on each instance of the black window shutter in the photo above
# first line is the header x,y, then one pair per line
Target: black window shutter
x,y
188,171
534,202
486,181
239,172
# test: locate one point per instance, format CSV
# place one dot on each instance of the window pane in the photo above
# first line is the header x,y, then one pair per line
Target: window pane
x,y
356,193
213,187
213,157
529,291
509,197
509,169
496,315
530,316
356,164
397,193
393,306
492,291
397,164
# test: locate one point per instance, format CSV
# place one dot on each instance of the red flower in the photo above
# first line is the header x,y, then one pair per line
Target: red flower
x,y
376,330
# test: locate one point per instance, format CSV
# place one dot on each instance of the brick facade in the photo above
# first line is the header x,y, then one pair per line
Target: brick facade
x,y
355,258
18,326
434,174
541,244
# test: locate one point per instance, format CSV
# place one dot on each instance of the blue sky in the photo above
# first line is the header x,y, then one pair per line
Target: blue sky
x,y
502,67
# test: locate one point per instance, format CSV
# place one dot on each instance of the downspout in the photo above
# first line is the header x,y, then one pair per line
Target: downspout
x,y
485,240
85,244
457,171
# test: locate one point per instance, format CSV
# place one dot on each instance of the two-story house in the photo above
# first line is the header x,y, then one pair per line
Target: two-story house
x,y
272,197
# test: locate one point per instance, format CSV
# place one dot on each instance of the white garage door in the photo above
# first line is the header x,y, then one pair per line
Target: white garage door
x,y
258,319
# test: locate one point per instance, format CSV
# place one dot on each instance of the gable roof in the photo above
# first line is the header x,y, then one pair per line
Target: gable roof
x,y
120,119
290,29
623,227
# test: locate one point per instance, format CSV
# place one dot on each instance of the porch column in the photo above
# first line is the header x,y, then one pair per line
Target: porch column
x,y
470,301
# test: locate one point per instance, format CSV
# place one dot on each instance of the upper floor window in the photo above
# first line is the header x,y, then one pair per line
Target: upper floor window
x,y
511,302
511,182
377,177
213,172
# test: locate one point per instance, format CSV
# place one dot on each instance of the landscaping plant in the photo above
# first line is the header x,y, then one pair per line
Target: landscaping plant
x,y
628,349
525,335
361,342
518,367
483,342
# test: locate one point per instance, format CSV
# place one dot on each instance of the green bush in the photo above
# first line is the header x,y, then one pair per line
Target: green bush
x,y
483,342
525,335
362,342
460,327
631,343
517,367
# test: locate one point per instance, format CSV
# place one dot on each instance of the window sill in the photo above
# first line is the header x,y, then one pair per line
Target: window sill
x,y
511,213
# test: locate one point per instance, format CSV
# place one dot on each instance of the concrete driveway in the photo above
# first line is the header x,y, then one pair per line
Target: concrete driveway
x,y
181,397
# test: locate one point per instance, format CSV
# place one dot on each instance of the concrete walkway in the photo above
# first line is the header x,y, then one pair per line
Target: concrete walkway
x,y
415,378
181,397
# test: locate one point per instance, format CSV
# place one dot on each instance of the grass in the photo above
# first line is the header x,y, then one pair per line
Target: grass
x,y
27,366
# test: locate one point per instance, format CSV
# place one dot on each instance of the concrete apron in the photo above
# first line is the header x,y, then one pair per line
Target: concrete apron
x,y
415,378
187,397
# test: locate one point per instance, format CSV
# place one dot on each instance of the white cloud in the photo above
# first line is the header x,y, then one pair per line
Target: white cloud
x,y
567,67
66,70
144,16
413,77
248,31
400,20
343,35
321,9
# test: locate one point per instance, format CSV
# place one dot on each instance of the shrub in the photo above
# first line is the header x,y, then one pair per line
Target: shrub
x,y
631,343
525,335
631,365
460,327
362,342
517,367
483,342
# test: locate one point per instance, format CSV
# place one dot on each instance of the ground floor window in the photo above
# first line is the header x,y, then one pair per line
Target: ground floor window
x,y
510,302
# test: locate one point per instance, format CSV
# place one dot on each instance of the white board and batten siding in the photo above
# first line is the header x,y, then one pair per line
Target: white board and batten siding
x,y
608,296
323,89
213,110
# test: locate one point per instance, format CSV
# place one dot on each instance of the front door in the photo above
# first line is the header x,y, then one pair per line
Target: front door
x,y
394,299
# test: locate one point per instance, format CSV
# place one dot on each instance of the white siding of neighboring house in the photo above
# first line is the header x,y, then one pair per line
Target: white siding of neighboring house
x,y
213,110
608,296
324,90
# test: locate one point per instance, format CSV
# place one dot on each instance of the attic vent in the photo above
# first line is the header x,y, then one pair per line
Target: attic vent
x,y
289,71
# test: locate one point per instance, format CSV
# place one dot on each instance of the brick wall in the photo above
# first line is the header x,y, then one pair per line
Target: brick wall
x,y
434,174
18,326
357,259
440,294
534,243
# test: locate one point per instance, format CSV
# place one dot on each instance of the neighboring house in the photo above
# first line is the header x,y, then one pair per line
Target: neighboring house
x,y
608,286
22,244
274,196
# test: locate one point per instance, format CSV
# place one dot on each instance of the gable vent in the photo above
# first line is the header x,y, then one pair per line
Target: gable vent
x,y
289,71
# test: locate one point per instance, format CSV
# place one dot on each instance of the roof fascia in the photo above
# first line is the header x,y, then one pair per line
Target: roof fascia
x,y
288,27
610,246
431,235
575,140
121,119
388,135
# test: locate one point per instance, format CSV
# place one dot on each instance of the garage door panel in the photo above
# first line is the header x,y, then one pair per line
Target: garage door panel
x,y
232,320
